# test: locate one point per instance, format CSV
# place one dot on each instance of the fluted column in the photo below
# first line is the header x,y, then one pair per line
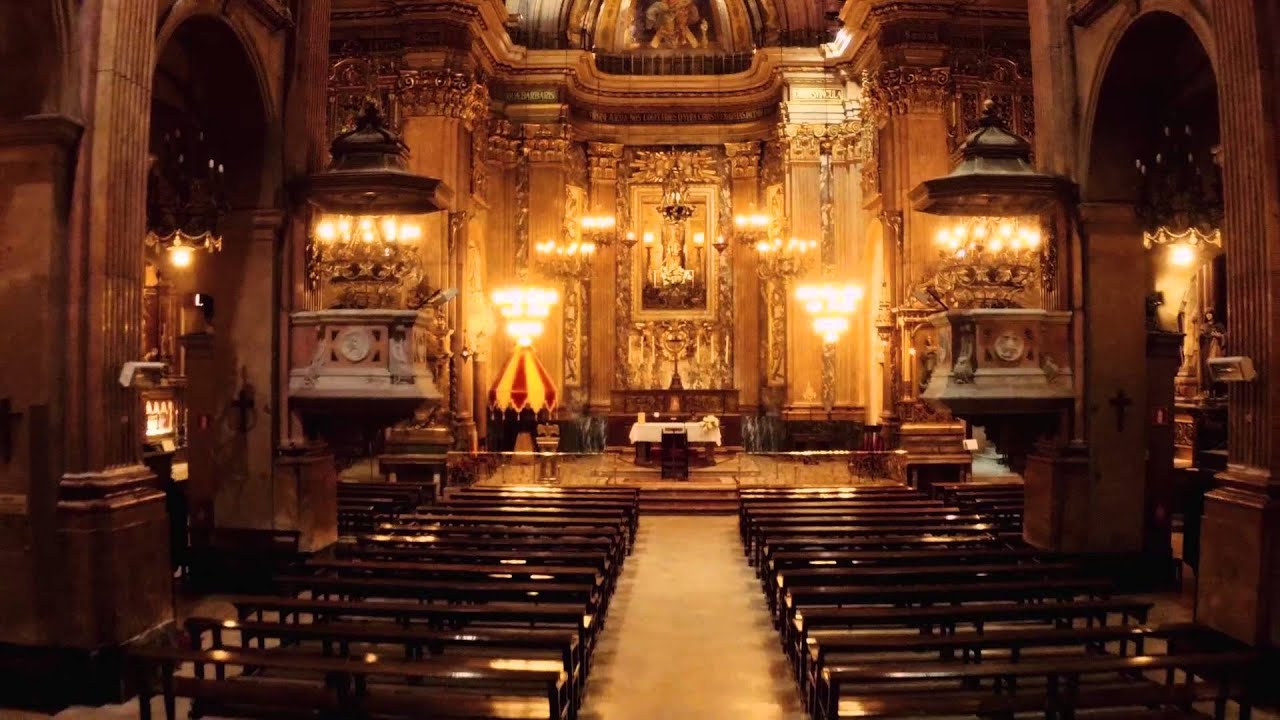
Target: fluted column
x,y
546,149
1239,580
744,164
603,159
804,166
112,530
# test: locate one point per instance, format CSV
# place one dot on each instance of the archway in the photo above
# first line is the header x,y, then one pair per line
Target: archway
x,y
31,62
1152,164
209,130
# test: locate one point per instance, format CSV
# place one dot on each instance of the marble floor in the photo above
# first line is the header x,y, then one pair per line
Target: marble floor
x,y
689,637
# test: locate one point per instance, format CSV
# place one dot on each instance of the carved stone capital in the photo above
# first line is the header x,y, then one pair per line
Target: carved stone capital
x,y
546,143
602,161
503,147
443,93
744,159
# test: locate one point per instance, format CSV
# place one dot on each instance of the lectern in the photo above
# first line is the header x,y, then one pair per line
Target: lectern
x,y
675,454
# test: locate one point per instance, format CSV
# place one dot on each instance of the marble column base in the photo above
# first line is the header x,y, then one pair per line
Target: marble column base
x,y
1056,500
306,495
1238,589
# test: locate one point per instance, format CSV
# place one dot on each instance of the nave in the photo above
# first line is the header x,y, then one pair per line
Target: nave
x,y
888,604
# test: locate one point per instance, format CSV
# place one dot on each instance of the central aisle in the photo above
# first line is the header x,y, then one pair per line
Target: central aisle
x,y
689,636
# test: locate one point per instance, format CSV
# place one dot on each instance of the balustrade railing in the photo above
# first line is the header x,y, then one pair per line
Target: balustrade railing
x,y
685,63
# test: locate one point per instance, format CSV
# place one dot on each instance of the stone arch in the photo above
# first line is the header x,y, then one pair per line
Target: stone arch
x,y
1157,65
1157,10
36,59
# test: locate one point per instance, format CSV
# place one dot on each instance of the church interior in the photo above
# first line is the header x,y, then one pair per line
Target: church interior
x,y
415,358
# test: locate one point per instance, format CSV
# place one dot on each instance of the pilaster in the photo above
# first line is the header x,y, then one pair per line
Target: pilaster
x,y
603,160
744,170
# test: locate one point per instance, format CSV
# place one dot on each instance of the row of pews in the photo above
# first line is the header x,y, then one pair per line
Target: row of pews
x,y
483,606
893,604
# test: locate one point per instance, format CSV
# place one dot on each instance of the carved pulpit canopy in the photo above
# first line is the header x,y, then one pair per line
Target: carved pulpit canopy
x,y
994,177
369,174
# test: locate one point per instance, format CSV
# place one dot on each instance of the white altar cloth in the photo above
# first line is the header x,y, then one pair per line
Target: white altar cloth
x,y
651,432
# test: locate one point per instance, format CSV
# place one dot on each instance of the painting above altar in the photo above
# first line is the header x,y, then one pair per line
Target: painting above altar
x,y
674,262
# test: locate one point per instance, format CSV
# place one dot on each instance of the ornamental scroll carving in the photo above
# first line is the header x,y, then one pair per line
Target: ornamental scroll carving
x,y
602,161
444,93
355,81
978,76
901,90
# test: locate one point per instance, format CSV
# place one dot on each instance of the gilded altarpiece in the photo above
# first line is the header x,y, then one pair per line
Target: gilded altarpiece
x,y
674,303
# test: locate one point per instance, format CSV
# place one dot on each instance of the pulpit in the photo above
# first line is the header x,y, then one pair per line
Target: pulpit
x,y
675,454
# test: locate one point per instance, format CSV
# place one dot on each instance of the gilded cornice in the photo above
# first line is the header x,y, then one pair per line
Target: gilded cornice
x,y
443,93
809,142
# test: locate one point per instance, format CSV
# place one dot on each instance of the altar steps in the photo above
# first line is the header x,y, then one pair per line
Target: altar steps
x,y
698,499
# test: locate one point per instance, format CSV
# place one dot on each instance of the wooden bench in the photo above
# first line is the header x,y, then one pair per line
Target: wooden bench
x,y
846,648
850,537
1061,693
945,619
585,595
342,685
417,642
505,614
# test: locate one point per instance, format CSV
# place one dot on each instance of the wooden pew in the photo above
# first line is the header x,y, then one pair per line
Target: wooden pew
x,y
548,507
416,642
853,537
785,581
849,648
505,614
1061,689
341,685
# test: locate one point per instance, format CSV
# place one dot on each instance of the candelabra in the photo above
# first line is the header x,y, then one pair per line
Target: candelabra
x,y
987,261
525,310
571,261
599,230
783,260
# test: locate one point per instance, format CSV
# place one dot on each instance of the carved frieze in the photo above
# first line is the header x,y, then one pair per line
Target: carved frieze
x,y
444,93
653,166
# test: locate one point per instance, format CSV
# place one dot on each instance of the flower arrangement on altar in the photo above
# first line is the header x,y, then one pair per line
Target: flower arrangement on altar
x,y
675,275
710,423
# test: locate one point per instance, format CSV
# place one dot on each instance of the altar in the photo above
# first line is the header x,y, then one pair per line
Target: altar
x,y
646,435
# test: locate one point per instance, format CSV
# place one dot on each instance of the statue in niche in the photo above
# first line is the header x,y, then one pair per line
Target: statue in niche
x,y
672,24
1213,343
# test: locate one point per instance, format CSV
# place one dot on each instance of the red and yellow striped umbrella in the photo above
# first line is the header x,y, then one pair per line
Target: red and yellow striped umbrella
x,y
523,383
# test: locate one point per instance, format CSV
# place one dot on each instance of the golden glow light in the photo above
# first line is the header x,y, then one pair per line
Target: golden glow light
x,y
525,310
1182,255
181,256
830,305
566,260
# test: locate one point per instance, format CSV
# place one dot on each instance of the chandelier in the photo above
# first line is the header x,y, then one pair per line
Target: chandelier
x,y
987,262
600,230
781,260
186,197
566,260
675,208
830,306
991,244
364,242
1180,195
525,310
